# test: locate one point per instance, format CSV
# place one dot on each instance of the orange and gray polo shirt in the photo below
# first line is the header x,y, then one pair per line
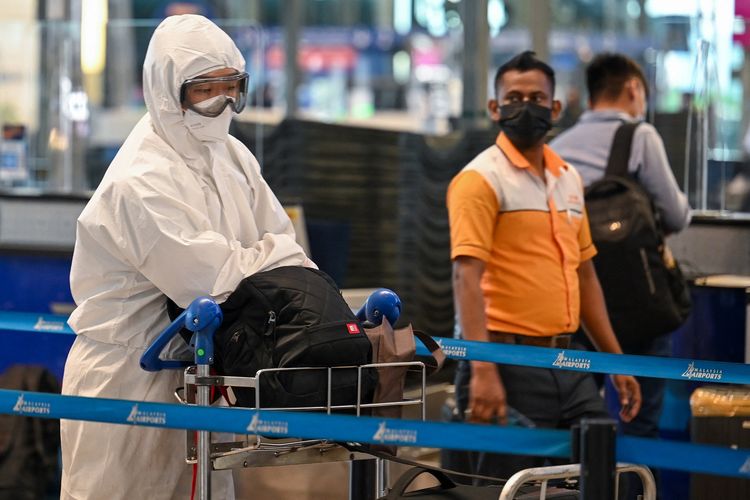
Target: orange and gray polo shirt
x,y
531,234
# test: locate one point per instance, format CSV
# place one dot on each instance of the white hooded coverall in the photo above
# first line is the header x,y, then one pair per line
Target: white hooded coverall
x,y
173,217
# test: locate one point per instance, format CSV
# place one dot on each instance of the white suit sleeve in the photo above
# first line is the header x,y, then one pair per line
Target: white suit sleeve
x,y
173,245
272,218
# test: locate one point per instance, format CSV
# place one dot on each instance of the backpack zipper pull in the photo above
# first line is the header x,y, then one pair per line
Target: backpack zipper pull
x,y
271,324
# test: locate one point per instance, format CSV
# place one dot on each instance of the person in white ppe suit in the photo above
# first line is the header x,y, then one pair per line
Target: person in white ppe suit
x,y
182,212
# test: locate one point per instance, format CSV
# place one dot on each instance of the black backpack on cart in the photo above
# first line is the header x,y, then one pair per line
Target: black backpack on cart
x,y
292,317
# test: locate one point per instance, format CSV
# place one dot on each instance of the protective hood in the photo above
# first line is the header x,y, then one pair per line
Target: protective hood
x,y
174,216
183,47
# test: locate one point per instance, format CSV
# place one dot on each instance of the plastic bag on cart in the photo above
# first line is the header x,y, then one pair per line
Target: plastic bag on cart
x,y
292,317
391,345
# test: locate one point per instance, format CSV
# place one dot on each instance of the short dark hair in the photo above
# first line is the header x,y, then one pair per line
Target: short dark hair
x,y
608,73
523,62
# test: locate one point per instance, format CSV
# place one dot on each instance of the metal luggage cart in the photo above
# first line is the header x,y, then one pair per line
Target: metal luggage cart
x,y
203,317
543,475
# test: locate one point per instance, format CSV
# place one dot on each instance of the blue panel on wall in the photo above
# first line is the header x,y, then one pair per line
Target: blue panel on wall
x,y
715,329
35,348
35,282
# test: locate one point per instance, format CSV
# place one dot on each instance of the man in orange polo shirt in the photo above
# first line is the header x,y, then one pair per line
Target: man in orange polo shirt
x,y
522,269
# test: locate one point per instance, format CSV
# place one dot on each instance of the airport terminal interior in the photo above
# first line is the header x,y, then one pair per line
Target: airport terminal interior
x,y
360,114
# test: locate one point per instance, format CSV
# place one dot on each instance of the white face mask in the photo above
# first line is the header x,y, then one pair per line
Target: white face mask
x,y
208,129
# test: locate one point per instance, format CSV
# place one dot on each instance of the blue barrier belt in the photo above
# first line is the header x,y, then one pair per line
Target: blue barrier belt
x,y
544,442
32,322
344,428
689,457
542,357
600,362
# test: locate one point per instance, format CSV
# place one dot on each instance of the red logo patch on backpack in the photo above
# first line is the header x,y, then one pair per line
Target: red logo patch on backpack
x,y
353,328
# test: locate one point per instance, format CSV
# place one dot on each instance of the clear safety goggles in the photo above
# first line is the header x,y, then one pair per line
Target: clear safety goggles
x,y
210,96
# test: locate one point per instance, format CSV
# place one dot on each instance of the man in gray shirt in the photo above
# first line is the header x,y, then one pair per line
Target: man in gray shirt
x,y
617,94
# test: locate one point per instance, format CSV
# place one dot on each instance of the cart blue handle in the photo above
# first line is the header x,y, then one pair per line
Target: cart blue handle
x,y
202,317
382,303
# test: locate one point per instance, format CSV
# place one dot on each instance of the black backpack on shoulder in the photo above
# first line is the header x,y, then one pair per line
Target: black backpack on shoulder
x,y
29,446
646,296
292,317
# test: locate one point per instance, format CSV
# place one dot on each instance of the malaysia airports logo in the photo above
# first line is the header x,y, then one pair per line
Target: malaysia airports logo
x,y
564,361
386,434
704,373
454,351
31,407
44,325
745,469
146,417
260,426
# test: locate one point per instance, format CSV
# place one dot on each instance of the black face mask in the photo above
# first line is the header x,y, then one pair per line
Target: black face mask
x,y
525,123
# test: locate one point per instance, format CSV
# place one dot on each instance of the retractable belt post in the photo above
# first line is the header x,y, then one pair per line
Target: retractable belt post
x,y
593,445
362,479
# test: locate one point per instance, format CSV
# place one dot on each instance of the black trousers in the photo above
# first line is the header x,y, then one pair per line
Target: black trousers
x,y
553,399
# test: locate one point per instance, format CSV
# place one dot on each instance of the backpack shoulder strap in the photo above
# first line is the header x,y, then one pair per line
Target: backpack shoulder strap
x,y
619,154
